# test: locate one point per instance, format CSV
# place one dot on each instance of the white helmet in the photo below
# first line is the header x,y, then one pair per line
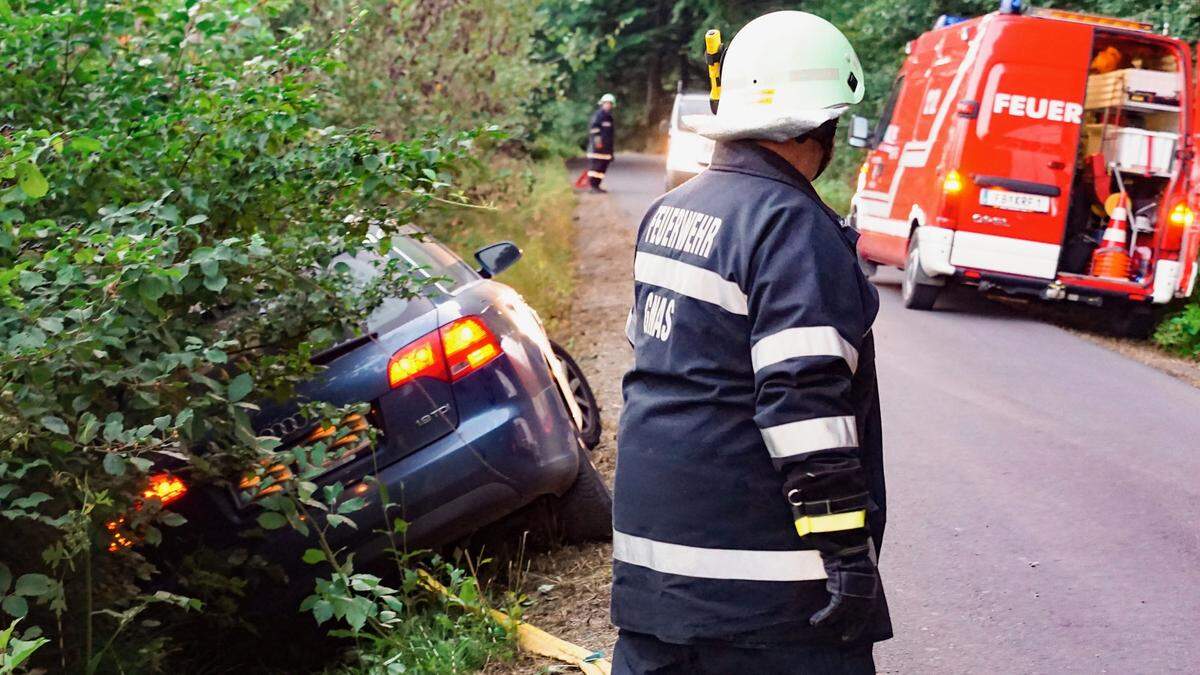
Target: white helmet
x,y
608,98
785,73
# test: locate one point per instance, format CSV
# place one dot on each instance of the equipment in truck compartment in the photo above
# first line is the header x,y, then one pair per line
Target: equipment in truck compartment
x,y
1002,139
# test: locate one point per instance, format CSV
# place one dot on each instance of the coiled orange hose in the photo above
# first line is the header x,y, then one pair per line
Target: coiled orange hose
x,y
1111,263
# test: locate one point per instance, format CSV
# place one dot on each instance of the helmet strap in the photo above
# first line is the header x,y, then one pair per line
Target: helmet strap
x,y
824,135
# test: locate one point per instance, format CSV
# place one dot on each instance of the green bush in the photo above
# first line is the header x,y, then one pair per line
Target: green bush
x,y
444,64
1180,332
170,187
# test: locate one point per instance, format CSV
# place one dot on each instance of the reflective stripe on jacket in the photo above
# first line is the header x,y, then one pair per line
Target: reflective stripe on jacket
x,y
751,332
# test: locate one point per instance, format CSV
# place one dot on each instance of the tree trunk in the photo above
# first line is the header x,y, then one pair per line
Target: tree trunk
x,y
684,73
653,89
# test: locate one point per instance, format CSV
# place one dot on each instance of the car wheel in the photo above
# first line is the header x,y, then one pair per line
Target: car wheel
x,y
916,295
584,513
581,391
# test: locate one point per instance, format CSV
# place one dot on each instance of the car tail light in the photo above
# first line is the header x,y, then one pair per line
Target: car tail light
x,y
469,346
121,537
422,358
450,353
163,487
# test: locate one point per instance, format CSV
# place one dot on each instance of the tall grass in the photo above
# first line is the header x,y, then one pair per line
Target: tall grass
x,y
444,640
533,207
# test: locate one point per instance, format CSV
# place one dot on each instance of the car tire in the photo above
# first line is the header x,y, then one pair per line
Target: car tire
x,y
584,512
914,293
581,391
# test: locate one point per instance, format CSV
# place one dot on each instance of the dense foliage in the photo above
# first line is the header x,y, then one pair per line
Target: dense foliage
x,y
173,193
445,64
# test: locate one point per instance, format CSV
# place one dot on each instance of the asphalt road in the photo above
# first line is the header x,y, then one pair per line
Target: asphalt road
x,y
1044,508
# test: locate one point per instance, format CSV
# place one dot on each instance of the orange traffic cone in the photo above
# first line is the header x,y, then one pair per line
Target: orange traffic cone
x,y
582,181
1111,259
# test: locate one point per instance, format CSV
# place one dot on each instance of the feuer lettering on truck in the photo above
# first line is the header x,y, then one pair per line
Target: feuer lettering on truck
x,y
1037,108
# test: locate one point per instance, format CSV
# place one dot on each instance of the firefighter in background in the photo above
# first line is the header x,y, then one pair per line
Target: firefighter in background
x,y
749,499
600,142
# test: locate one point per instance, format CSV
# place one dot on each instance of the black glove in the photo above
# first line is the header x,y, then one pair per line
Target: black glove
x,y
853,583
832,486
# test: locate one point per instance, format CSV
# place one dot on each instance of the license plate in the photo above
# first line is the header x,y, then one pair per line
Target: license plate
x,y
1014,201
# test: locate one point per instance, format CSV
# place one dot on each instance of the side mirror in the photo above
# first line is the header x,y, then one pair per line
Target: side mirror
x,y
860,132
495,258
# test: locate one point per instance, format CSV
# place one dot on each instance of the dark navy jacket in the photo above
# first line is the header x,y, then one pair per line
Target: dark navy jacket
x,y
601,129
751,330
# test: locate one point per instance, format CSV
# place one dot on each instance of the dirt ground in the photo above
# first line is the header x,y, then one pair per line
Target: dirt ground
x,y
570,585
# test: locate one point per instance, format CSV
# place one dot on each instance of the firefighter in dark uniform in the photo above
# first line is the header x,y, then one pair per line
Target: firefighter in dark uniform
x,y
749,498
601,136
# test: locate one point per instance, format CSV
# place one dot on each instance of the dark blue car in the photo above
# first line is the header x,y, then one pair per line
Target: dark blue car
x,y
478,415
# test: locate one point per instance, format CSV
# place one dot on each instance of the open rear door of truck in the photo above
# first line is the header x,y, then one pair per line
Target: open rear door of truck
x,y
1020,154
1190,247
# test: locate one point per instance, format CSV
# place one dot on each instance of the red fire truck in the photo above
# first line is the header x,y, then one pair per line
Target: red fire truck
x,y
1039,152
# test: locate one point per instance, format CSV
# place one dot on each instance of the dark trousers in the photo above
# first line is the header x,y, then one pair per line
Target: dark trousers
x,y
640,654
596,169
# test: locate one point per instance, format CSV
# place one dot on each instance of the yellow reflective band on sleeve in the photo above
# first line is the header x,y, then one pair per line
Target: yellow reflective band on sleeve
x,y
834,522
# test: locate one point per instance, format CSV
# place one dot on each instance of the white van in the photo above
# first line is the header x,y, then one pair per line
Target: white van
x,y
687,152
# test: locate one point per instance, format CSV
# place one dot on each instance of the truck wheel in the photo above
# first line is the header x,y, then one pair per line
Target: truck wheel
x,y
1136,321
914,293
584,513
581,391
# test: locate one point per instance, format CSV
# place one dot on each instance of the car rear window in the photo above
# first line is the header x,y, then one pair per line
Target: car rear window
x,y
428,256
431,259
436,260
